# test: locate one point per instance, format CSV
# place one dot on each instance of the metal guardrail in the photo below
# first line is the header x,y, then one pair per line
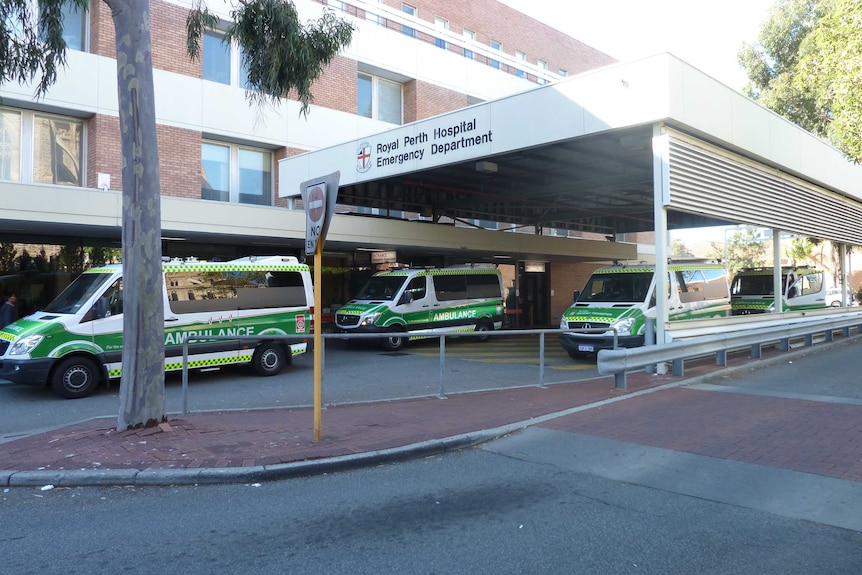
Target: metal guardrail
x,y
379,336
620,361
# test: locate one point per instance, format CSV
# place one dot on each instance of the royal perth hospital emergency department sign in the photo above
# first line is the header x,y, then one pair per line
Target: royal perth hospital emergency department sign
x,y
450,138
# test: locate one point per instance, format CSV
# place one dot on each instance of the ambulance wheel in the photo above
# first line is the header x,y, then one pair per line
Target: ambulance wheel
x,y
268,359
75,377
483,326
394,342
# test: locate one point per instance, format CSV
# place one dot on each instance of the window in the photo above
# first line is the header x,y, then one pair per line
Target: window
x,y
484,286
496,46
450,287
74,26
215,172
229,291
543,66
57,150
416,287
223,62
716,284
410,10
692,285
41,148
255,177
440,24
231,173
378,98
471,37
10,145
522,57
216,58
563,73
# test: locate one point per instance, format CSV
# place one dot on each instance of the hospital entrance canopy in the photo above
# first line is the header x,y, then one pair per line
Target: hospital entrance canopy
x,y
603,152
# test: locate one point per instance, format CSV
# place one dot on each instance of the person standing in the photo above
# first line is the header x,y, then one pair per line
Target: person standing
x,y
7,310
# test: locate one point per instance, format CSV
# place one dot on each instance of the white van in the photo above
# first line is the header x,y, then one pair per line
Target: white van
x,y
752,290
419,302
623,298
76,342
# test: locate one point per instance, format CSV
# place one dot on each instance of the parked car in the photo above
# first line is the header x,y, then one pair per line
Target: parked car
x,y
833,297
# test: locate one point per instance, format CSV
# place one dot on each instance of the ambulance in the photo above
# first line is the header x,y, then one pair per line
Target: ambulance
x,y
410,303
623,298
76,342
752,290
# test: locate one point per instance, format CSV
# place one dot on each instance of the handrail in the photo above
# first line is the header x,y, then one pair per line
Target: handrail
x,y
620,361
358,336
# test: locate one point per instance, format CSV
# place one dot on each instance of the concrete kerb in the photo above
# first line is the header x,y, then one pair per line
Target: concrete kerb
x,y
185,476
202,476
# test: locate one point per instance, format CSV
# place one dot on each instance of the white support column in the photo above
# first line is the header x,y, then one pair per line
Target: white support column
x,y
842,251
661,199
777,287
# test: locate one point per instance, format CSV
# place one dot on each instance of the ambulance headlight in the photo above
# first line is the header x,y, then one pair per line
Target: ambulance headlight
x,y
369,320
25,345
624,326
564,323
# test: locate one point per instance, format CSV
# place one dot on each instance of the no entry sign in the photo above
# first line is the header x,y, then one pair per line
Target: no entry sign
x,y
319,198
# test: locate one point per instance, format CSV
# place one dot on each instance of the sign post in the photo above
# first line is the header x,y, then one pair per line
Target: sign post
x,y
318,197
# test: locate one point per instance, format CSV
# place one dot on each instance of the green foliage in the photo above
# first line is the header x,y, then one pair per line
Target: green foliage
x,y
807,65
799,250
7,257
98,256
832,66
679,250
744,249
772,64
279,54
33,53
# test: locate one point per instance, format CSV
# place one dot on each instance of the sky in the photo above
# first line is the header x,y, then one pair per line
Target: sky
x,y
705,33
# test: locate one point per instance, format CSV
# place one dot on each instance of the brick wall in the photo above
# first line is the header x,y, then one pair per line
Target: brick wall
x,y
336,87
179,161
490,19
430,100
179,157
566,278
179,149
167,34
103,150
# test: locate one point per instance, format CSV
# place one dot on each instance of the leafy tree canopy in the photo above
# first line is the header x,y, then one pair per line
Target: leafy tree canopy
x,y
278,53
31,41
806,65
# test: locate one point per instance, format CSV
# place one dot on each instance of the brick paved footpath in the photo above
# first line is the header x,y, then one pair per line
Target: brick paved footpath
x,y
809,436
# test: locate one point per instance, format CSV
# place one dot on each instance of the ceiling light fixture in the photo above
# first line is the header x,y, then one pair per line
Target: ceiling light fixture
x,y
486,167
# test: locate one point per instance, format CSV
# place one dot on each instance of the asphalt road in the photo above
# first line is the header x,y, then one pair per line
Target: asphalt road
x,y
475,511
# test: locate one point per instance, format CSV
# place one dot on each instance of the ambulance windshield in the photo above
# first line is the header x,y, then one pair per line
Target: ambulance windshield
x,y
617,287
79,291
381,287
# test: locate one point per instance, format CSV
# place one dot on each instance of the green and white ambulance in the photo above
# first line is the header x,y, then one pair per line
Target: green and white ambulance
x,y
416,302
752,290
624,298
76,342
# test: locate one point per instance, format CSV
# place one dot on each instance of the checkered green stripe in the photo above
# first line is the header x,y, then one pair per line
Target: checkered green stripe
x,y
466,271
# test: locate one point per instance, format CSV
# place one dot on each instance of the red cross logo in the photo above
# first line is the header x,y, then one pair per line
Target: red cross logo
x,y
363,158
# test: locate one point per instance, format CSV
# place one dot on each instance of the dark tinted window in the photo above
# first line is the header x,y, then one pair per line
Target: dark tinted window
x,y
483,286
450,287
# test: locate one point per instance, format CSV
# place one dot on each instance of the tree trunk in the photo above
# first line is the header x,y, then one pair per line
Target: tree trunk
x,y
142,388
